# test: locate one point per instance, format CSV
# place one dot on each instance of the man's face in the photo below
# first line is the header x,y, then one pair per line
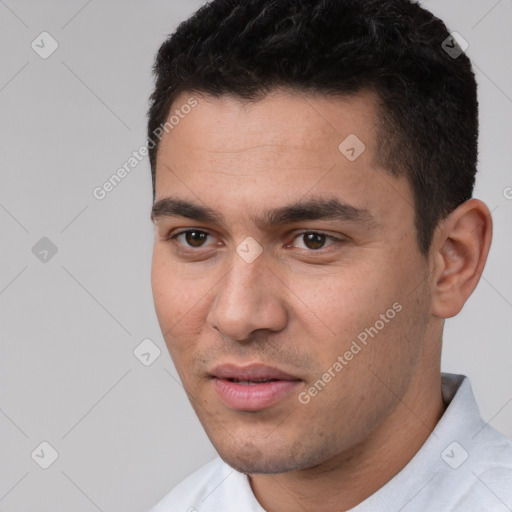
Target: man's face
x,y
318,285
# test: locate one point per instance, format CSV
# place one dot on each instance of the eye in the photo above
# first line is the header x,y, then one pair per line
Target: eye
x,y
314,240
191,238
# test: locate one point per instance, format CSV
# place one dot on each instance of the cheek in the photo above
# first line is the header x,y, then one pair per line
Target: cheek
x,y
342,304
369,303
178,299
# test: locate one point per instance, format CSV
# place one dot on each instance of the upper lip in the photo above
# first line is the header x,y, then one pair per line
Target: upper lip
x,y
250,372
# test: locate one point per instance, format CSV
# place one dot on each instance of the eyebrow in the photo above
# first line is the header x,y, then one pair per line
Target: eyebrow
x,y
300,211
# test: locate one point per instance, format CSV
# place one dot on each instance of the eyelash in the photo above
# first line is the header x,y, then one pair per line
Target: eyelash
x,y
172,239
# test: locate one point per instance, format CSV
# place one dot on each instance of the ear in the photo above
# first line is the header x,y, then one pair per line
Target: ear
x,y
460,247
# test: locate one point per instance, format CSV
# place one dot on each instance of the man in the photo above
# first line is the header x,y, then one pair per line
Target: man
x,y
313,165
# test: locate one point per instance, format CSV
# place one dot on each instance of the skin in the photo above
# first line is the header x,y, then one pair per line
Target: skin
x,y
298,307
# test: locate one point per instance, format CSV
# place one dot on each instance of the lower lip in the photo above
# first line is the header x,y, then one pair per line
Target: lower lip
x,y
253,397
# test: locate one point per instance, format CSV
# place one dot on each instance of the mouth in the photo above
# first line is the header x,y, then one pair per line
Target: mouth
x,y
252,382
252,388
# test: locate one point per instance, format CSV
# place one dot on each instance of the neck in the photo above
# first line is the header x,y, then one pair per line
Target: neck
x,y
349,478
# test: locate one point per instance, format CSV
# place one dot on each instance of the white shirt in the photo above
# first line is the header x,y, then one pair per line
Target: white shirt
x,y
464,466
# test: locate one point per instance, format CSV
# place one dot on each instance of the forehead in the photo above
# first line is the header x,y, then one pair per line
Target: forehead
x,y
278,149
283,116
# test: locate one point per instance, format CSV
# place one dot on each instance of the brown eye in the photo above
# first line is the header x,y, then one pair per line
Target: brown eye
x,y
313,240
191,238
195,238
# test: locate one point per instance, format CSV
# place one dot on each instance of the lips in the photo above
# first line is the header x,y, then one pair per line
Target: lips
x,y
252,388
253,373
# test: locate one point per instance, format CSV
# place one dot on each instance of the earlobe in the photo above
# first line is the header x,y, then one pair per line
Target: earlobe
x,y
461,246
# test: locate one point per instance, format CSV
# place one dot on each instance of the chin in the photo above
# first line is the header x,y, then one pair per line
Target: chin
x,y
259,465
251,458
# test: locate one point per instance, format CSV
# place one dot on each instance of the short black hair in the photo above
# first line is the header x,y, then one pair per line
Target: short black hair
x,y
428,114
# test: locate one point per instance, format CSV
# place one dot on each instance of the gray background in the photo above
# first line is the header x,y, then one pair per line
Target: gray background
x,y
124,432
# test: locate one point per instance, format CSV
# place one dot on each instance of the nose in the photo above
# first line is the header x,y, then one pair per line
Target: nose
x,y
249,298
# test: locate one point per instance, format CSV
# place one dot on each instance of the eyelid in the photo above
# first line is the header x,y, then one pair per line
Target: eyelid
x,y
173,235
333,238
